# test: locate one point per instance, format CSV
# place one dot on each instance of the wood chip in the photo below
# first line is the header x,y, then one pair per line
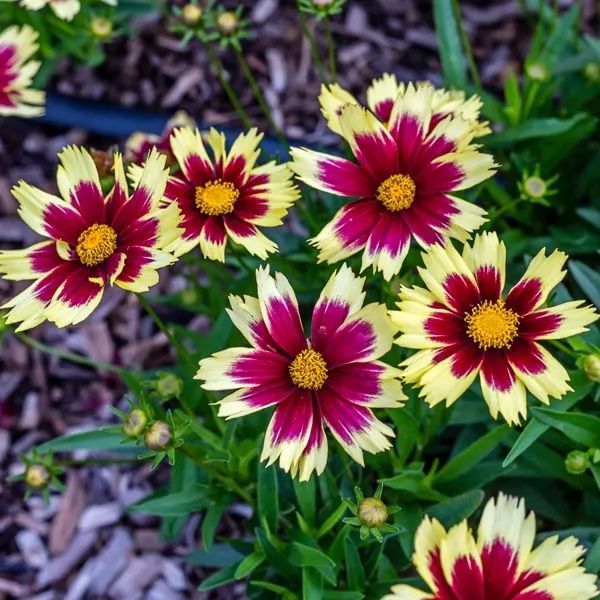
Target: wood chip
x,y
65,521
32,548
139,574
100,515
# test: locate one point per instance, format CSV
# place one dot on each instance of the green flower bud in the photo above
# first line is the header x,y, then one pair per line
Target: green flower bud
x,y
101,28
577,462
168,386
591,366
372,512
158,436
37,477
591,72
227,22
537,72
535,187
191,14
135,422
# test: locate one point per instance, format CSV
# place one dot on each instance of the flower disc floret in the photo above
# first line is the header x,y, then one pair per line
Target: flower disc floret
x,y
397,192
96,244
216,197
309,370
492,325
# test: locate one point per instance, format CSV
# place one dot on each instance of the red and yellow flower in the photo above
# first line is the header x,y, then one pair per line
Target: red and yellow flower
x,y
139,144
462,325
227,195
500,563
335,377
406,172
17,46
386,90
94,240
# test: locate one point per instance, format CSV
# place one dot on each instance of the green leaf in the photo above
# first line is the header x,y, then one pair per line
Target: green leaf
x,y
220,555
579,427
592,558
307,501
336,595
250,562
105,438
451,52
180,503
451,511
332,520
306,556
533,129
354,568
218,579
211,521
472,455
273,554
415,483
312,584
535,428
588,280
268,495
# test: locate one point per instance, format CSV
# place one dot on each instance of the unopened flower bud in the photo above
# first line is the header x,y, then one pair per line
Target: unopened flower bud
x,y
372,512
591,72
577,462
103,161
101,28
591,366
321,3
169,386
135,422
191,14
537,72
535,187
37,477
158,436
227,22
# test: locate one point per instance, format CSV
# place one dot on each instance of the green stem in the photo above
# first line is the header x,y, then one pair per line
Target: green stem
x,y
563,348
466,45
71,356
314,50
217,67
330,51
504,209
259,95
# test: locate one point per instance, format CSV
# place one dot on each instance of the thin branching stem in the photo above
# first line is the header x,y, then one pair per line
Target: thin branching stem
x,y
330,51
314,50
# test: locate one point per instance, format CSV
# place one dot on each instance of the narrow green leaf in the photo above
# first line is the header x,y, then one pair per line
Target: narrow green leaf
x,y
220,555
180,503
354,568
105,438
579,427
307,500
312,584
451,511
588,280
472,455
274,556
268,495
218,579
306,556
211,521
332,520
592,558
451,52
249,564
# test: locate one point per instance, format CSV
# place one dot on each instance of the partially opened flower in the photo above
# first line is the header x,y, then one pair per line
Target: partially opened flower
x,y
227,195
385,91
17,45
63,9
404,180
94,241
500,563
462,325
139,144
333,378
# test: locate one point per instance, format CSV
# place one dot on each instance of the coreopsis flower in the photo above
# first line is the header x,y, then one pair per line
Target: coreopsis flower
x,y
386,90
462,325
139,144
94,240
404,179
227,196
333,378
499,563
17,45
63,9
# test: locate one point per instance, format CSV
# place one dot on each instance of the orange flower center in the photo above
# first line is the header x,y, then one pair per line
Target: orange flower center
x,y
491,325
308,370
397,192
216,197
96,244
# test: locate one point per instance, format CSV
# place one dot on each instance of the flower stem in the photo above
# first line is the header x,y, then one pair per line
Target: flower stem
x,y
71,356
466,45
330,51
259,95
314,50
563,348
217,67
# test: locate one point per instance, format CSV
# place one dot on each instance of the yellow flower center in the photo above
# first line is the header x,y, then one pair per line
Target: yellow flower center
x,y
216,197
308,370
491,325
397,192
96,244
